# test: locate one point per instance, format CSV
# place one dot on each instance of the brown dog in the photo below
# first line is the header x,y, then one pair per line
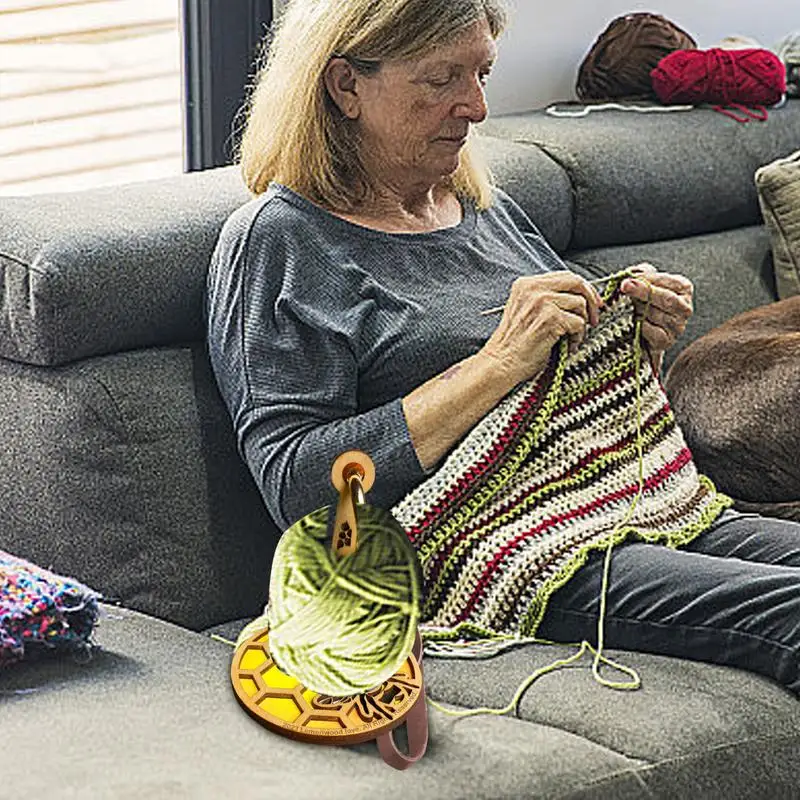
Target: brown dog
x,y
736,396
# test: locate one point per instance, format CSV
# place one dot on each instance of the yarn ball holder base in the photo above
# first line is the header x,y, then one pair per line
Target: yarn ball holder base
x,y
285,705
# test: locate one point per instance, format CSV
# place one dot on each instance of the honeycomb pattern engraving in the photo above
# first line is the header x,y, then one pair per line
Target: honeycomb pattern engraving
x,y
283,704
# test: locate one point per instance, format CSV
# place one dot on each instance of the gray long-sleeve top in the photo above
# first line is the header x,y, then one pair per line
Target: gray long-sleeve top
x,y
317,327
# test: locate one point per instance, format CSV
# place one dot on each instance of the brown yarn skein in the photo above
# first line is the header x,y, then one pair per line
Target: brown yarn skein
x,y
618,65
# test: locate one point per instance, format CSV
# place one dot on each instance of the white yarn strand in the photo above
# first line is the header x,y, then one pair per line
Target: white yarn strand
x,y
554,111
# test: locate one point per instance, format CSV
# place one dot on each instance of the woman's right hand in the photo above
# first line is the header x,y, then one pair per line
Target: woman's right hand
x,y
540,310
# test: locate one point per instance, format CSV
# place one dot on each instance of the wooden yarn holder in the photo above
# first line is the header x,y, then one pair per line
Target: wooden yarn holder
x,y
285,706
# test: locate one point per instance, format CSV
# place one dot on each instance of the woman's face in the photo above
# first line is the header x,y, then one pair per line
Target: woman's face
x,y
414,114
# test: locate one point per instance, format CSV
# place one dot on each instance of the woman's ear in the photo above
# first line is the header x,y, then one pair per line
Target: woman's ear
x,y
340,81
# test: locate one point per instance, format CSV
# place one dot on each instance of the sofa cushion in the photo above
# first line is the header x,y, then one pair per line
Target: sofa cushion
x,y
537,183
641,177
731,272
779,196
109,269
123,472
162,721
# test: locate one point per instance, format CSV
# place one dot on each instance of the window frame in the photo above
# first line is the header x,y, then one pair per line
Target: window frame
x,y
220,45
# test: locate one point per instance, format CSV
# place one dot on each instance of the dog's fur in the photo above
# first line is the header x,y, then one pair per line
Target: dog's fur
x,y
736,396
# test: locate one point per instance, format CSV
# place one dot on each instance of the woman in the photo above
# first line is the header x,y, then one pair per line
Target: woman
x,y
345,312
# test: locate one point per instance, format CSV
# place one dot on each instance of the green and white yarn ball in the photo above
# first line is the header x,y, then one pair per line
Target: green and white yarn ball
x,y
343,625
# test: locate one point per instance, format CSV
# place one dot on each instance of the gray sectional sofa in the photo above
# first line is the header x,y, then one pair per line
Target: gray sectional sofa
x,y
118,466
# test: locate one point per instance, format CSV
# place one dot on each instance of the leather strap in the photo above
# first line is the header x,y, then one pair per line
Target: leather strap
x,y
756,112
416,723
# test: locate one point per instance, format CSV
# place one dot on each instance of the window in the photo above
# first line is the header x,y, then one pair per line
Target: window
x,y
99,92
90,93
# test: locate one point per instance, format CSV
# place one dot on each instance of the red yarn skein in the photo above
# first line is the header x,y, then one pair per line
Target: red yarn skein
x,y
753,76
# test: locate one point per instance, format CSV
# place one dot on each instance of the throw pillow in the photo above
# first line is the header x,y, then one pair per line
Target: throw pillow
x,y
778,187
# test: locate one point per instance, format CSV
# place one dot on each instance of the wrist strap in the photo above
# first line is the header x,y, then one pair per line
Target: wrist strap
x,y
416,723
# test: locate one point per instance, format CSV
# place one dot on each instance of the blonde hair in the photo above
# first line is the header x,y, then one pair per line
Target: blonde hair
x,y
295,135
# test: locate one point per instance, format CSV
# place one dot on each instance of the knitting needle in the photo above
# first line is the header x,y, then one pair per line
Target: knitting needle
x,y
595,282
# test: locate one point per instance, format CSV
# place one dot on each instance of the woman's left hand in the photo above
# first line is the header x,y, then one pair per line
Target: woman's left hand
x,y
665,300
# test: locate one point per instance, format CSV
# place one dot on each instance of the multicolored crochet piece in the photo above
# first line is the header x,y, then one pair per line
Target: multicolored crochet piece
x,y
39,609
546,477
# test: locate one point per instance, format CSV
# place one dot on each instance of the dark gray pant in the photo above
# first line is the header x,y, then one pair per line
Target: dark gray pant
x,y
731,597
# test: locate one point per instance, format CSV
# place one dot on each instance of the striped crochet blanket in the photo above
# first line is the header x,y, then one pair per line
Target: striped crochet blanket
x,y
548,475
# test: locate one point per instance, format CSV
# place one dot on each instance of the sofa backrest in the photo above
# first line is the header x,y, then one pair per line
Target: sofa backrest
x,y
112,269
122,470
120,268
109,269
642,177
